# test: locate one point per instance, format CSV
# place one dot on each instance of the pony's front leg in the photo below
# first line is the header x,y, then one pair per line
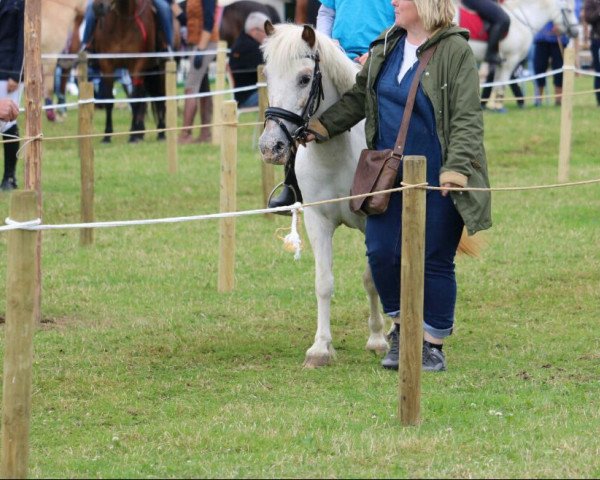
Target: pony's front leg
x,y
106,87
320,232
138,111
376,342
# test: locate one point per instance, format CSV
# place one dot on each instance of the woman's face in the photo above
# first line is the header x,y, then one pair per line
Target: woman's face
x,y
406,13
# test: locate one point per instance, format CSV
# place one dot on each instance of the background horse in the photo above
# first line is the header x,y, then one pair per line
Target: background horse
x,y
130,26
324,170
60,22
527,17
235,14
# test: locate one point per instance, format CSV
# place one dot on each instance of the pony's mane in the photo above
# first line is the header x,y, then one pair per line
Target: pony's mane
x,y
286,45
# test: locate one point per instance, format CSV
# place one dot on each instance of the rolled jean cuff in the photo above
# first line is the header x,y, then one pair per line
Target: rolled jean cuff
x,y
437,332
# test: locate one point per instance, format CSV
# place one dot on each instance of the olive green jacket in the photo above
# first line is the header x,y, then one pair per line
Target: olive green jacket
x,y
451,83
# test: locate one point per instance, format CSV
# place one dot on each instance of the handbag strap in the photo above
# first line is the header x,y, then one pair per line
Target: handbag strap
x,y
424,60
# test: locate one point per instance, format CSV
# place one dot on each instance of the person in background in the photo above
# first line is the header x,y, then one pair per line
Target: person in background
x,y
591,15
445,128
245,57
306,11
338,20
202,35
12,40
499,22
548,45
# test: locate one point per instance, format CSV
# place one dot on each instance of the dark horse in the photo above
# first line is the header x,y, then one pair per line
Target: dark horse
x,y
130,26
235,14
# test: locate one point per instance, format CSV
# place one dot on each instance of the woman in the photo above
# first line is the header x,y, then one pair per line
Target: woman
x,y
447,127
548,46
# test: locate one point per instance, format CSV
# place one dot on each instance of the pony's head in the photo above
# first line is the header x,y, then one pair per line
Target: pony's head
x,y
300,65
563,16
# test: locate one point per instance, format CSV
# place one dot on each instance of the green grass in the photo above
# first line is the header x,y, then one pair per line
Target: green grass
x,y
143,370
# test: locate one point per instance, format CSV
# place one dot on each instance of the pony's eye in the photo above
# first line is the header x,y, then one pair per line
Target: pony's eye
x,y
304,80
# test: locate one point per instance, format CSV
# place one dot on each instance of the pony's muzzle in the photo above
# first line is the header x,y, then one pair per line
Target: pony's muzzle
x,y
273,149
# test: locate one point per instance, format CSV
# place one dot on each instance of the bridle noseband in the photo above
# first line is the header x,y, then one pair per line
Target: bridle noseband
x,y
301,121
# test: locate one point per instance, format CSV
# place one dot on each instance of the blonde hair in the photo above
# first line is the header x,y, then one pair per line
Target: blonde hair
x,y
435,14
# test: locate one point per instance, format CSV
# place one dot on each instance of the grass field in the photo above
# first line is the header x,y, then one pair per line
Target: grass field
x,y
143,370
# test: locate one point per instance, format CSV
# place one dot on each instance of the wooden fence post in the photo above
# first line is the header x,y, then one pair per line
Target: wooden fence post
x,y
218,100
268,173
33,125
228,197
86,157
412,280
18,342
171,120
82,66
566,115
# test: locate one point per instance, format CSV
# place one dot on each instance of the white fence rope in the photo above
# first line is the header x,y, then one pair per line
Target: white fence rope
x,y
101,56
150,99
36,224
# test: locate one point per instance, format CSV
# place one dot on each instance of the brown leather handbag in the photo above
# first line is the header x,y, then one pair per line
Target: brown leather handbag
x,y
377,170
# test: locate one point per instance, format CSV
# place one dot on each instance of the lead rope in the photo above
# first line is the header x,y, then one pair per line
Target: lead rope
x,y
292,242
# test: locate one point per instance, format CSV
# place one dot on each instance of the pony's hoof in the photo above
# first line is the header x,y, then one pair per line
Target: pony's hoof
x,y
377,344
135,139
317,361
161,137
106,140
317,358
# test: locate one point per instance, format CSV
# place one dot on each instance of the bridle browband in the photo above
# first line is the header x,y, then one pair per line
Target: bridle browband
x,y
315,96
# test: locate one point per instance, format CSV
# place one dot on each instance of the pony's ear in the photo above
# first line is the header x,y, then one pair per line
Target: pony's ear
x,y
308,35
269,28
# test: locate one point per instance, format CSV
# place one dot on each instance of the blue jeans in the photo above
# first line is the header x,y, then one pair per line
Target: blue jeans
x,y
384,241
164,14
251,101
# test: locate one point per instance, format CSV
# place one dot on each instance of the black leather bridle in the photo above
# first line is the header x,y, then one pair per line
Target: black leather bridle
x,y
315,96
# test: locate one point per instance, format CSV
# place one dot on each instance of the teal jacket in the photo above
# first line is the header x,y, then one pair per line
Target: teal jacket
x,y
451,83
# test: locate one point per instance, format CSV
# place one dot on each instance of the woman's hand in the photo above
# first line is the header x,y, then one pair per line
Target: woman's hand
x,y
448,185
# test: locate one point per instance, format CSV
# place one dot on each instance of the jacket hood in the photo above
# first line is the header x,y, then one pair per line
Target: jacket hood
x,y
395,32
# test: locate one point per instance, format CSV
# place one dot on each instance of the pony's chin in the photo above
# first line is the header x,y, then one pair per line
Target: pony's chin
x,y
279,158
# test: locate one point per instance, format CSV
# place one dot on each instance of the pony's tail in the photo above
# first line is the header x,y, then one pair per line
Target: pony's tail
x,y
470,245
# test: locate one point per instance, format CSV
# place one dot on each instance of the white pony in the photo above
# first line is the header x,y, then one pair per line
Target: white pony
x,y
527,17
324,171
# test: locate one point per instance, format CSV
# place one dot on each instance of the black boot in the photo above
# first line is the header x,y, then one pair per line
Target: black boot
x,y
493,44
290,193
10,159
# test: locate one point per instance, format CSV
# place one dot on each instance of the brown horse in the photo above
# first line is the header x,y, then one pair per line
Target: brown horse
x,y
130,26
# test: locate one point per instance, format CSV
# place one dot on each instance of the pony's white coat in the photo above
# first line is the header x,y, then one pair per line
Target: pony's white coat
x,y
324,171
527,17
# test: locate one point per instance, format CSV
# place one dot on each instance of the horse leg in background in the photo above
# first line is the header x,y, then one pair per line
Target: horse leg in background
x,y
155,85
106,92
376,342
320,232
138,110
